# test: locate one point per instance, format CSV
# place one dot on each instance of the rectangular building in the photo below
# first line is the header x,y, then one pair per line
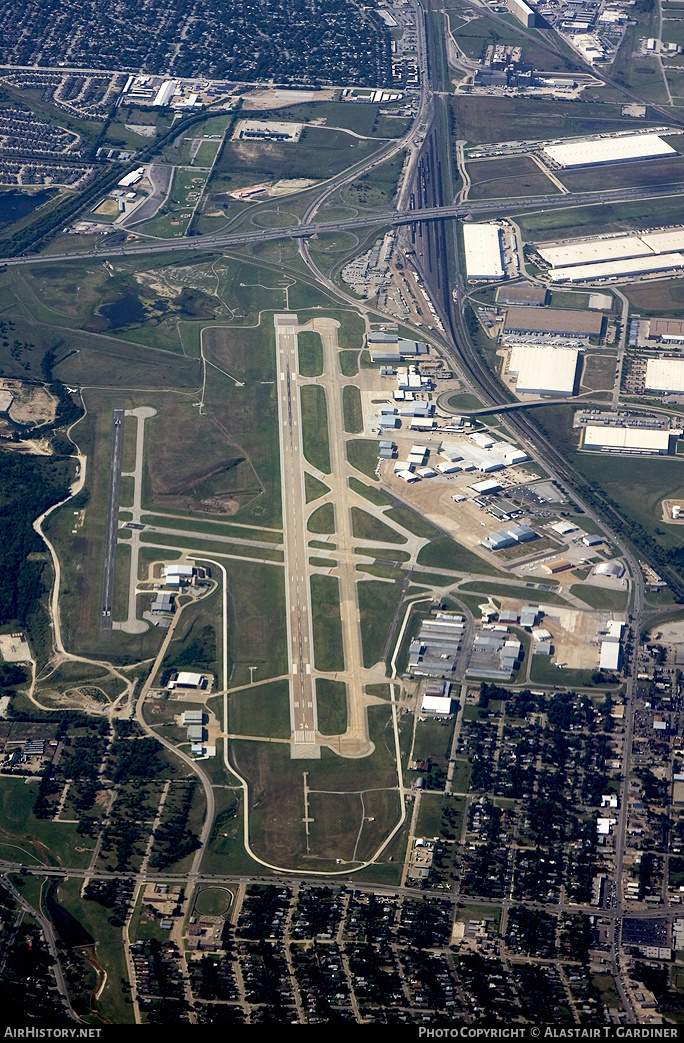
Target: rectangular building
x,y
482,244
645,441
665,375
544,370
619,269
666,330
590,152
522,12
567,321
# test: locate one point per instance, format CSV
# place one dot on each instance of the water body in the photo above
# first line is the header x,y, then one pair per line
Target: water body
x,y
14,205
128,311
67,926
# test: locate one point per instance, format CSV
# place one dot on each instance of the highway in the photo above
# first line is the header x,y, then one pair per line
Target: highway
x,y
112,523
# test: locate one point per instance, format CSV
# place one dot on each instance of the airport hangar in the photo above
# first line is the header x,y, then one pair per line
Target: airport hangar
x,y
644,441
543,370
591,152
482,244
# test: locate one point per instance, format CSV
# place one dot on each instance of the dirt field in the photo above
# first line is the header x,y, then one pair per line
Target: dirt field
x,y
14,649
30,405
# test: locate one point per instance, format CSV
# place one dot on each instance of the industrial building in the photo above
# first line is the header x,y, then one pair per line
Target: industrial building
x,y
565,321
609,439
482,244
543,370
522,12
649,265
590,152
666,330
665,375
435,652
437,699
613,248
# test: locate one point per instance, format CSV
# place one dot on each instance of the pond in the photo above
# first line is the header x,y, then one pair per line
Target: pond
x,y
128,311
15,205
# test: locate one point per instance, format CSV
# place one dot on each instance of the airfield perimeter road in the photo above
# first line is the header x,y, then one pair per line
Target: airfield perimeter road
x,y
112,522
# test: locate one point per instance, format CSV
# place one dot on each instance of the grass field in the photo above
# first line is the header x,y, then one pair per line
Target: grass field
x,y
326,623
315,427
353,412
313,488
310,349
445,553
366,527
349,362
331,704
480,119
174,216
413,521
515,176
599,219
377,605
319,153
261,710
374,496
322,519
529,595
600,597
362,453
345,826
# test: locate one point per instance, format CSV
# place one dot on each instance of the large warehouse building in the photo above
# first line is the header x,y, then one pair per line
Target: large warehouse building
x,y
613,248
590,152
482,243
608,439
566,321
543,371
665,375
619,269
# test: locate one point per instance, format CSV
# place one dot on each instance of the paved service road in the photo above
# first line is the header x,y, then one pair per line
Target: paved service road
x,y
112,523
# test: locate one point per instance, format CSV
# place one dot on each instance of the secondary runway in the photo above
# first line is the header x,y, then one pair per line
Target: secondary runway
x,y
112,523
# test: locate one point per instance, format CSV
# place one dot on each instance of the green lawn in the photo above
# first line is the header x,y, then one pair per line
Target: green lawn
x,y
349,362
315,427
446,553
353,411
261,710
375,496
600,597
331,703
326,623
362,453
310,347
377,605
366,527
313,488
322,519
412,521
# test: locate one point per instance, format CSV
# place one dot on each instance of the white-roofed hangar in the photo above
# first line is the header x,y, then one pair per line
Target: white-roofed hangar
x,y
665,375
482,244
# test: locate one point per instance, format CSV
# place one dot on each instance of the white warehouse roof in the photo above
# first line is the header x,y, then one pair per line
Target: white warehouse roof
x,y
544,371
665,375
608,150
482,243
594,250
618,269
629,439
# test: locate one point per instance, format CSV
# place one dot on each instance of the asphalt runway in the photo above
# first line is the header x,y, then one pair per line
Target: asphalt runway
x,y
112,523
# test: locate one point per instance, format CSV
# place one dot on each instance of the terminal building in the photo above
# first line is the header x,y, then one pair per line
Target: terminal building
x,y
543,370
590,152
482,244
